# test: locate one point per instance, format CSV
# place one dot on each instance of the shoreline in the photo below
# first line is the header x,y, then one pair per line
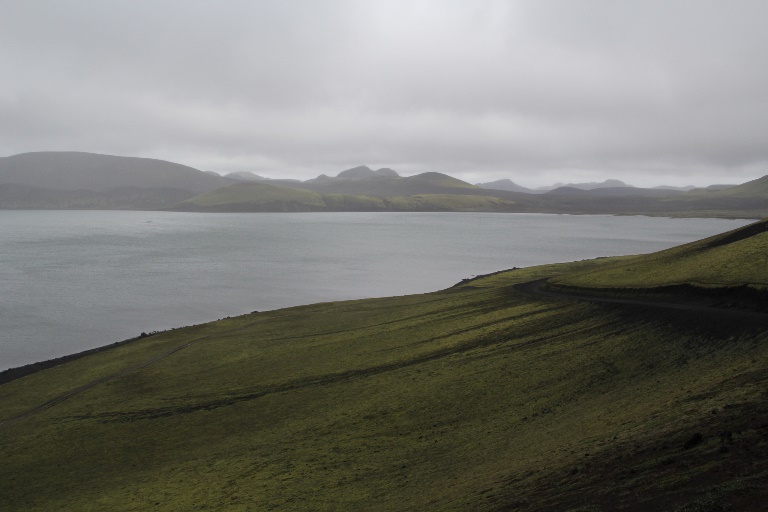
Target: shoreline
x,y
18,372
12,373
725,215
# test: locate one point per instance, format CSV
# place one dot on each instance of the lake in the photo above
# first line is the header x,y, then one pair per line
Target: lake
x,y
74,280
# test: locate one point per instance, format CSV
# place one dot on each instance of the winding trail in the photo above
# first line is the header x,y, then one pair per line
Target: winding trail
x,y
537,287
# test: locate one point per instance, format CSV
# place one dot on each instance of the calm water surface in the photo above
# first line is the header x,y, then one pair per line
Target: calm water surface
x,y
73,280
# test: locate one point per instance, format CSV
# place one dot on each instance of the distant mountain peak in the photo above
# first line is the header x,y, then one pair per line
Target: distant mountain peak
x,y
613,183
245,175
505,184
76,170
609,183
386,171
363,172
440,179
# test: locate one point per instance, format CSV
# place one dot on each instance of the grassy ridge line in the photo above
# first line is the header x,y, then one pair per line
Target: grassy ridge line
x,y
735,259
478,397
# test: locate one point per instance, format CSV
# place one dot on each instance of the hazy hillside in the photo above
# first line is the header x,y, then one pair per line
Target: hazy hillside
x,y
670,187
363,172
88,171
50,180
610,183
438,192
758,187
14,196
507,185
245,175
359,173
257,197
486,396
615,191
388,185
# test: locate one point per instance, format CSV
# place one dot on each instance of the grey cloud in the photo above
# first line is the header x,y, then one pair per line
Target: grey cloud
x,y
648,92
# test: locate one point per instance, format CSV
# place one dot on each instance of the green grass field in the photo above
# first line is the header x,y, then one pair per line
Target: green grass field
x,y
477,397
737,260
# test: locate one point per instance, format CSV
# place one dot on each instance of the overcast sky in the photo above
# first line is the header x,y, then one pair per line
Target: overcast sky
x,y
651,92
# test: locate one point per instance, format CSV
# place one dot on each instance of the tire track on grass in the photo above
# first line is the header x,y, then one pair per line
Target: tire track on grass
x,y
88,385
537,287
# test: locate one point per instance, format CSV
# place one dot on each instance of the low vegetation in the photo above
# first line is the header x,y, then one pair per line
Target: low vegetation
x,y
483,396
739,258
265,197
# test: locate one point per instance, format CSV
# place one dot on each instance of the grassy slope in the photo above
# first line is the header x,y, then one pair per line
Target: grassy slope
x,y
741,260
257,194
478,397
266,197
758,187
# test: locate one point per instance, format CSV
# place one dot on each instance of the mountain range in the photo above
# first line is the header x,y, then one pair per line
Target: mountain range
x,y
73,180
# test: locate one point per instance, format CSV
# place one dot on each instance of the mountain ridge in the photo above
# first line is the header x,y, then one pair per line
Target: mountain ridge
x,y
73,170
52,180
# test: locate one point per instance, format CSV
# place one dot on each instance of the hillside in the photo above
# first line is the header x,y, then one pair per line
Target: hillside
x,y
245,176
615,192
611,183
86,180
388,185
738,258
483,396
367,191
508,185
758,187
88,171
14,196
363,172
256,197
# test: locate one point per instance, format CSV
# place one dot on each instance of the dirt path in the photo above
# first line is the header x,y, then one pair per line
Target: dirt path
x,y
537,288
